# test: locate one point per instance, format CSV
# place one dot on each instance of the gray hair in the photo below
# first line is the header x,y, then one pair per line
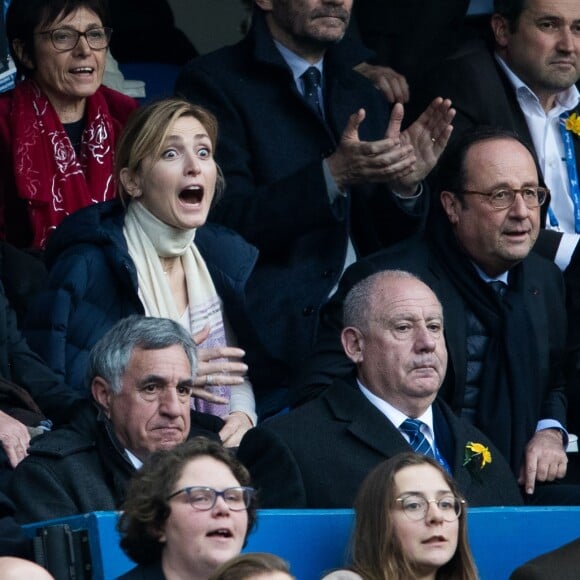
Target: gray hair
x,y
358,304
110,357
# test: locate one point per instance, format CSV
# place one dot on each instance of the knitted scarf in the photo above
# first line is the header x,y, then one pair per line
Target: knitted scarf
x,y
148,239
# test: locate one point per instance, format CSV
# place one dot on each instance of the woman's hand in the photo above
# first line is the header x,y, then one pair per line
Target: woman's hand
x,y
237,423
218,366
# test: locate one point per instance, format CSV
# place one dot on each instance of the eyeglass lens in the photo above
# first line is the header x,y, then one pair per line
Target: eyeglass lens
x,y
415,507
204,498
532,196
68,38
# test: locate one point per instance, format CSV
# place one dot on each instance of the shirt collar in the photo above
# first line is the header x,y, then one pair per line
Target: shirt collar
x,y
393,414
137,463
296,63
503,277
566,100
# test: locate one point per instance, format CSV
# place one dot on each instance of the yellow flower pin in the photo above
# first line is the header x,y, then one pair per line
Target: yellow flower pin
x,y
573,124
481,450
477,456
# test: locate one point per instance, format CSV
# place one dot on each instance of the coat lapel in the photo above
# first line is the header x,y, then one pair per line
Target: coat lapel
x,y
366,422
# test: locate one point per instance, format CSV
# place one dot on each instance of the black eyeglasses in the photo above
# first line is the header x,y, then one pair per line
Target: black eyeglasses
x,y
416,506
64,39
204,498
506,196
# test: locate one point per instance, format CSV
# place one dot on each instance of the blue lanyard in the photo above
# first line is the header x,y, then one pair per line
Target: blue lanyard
x,y
570,158
441,459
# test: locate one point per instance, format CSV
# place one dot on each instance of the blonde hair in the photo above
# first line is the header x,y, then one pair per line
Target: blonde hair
x,y
146,131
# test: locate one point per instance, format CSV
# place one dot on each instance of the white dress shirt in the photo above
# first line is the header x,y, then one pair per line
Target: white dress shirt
x,y
547,139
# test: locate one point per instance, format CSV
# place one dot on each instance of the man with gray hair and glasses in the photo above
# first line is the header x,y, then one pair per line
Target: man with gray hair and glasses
x,y
141,379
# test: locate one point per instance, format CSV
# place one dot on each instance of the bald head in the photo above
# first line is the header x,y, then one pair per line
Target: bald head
x,y
394,334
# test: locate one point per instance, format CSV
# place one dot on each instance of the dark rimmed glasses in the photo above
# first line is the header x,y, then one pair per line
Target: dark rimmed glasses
x,y
64,39
506,196
204,498
415,507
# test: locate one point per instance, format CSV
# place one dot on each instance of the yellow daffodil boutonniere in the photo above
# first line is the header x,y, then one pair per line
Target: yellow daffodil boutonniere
x,y
477,456
573,124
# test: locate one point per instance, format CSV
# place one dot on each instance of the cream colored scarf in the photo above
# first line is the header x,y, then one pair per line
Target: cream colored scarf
x,y
148,239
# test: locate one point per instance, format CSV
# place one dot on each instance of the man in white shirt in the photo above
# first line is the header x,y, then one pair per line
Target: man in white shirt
x,y
318,455
525,82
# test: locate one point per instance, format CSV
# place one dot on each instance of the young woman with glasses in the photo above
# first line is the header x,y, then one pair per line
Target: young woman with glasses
x,y
410,523
188,510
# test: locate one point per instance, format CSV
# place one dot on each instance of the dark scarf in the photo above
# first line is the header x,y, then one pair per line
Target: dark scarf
x,y
510,396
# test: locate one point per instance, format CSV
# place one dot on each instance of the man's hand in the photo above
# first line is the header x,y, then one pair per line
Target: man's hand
x,y
356,161
428,136
545,459
14,437
402,159
392,84
237,423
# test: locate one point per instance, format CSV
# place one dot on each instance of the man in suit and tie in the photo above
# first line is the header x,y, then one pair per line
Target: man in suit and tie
x,y
524,81
317,455
318,170
507,347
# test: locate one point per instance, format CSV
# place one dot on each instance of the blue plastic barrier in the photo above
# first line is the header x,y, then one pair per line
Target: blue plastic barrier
x,y
316,540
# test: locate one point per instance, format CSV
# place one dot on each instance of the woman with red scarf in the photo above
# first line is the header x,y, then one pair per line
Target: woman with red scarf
x,y
58,127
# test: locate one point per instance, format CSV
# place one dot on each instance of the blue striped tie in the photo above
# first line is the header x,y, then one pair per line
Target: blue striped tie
x,y
412,427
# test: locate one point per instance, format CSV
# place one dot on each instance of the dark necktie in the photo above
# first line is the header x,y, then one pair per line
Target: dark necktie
x,y
311,80
500,288
412,427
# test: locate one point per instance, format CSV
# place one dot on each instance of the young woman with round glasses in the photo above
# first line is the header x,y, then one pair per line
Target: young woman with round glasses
x,y
411,522
188,510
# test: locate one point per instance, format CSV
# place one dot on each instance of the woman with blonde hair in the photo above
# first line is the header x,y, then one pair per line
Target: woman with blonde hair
x,y
152,252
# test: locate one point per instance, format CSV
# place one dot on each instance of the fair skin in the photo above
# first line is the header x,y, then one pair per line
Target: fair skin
x,y
197,542
403,158
67,78
387,80
144,426
17,568
497,240
307,27
14,438
431,542
544,50
178,188
401,357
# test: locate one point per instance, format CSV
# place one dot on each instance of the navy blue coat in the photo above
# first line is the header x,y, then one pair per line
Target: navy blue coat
x,y
270,149
318,455
93,284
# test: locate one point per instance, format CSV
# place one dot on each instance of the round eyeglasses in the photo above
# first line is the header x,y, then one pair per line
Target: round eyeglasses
x,y
64,39
415,507
204,498
506,196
